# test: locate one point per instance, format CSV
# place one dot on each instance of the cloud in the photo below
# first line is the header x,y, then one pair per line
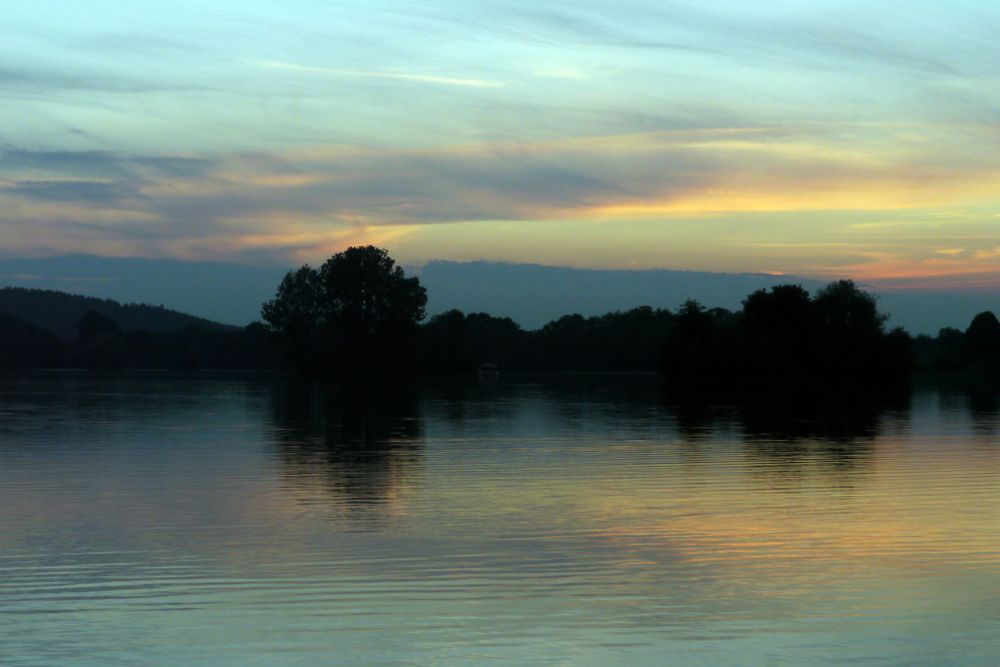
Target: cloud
x,y
398,76
807,36
90,192
316,198
24,79
18,162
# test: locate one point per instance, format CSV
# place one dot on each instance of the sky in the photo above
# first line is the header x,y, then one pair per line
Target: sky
x,y
816,138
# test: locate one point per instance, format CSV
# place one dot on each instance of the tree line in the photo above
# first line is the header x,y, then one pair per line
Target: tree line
x,y
359,312
100,344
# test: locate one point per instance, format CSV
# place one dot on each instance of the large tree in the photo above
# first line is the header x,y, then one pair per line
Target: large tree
x,y
358,311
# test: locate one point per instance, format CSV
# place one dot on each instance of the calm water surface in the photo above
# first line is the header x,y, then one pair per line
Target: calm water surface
x,y
158,519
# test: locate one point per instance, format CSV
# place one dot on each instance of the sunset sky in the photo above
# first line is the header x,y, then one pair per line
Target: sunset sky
x,y
818,138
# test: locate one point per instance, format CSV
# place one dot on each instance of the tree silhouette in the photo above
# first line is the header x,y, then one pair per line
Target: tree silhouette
x,y
100,342
94,325
23,345
783,335
445,342
779,327
702,344
295,315
358,311
981,347
784,307
850,330
843,308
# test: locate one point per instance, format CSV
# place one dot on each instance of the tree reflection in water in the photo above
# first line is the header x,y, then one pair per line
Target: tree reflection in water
x,y
983,405
354,447
783,427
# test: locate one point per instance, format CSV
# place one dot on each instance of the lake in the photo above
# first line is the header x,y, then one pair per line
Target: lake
x,y
158,519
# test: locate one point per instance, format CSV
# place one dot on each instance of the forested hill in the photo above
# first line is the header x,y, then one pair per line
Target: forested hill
x,y
59,312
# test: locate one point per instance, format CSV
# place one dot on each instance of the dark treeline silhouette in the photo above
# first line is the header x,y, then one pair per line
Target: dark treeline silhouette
x,y
972,355
23,345
784,334
59,313
620,341
99,343
48,329
360,312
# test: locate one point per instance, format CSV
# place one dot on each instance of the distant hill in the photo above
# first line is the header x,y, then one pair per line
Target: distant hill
x,y
220,291
59,312
23,345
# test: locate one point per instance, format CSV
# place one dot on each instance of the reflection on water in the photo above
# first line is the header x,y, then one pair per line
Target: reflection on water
x,y
360,444
785,428
592,520
984,409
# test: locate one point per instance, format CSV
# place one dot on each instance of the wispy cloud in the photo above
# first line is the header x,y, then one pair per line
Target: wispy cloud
x,y
398,76
19,79
99,193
